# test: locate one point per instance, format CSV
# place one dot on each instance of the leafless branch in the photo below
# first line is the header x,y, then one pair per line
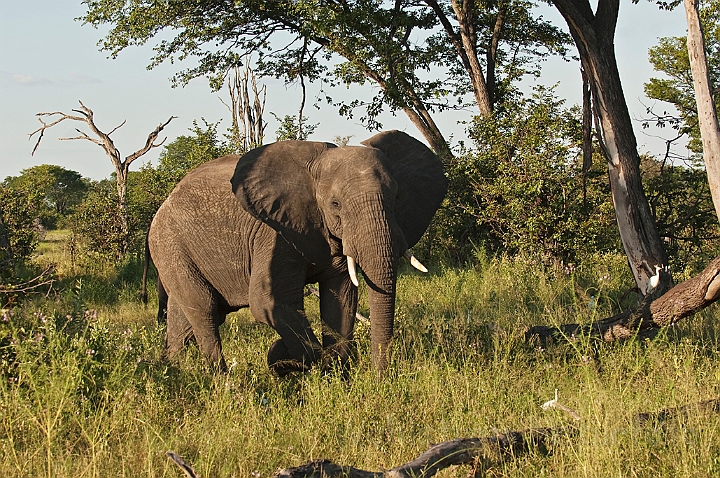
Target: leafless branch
x,y
43,279
150,143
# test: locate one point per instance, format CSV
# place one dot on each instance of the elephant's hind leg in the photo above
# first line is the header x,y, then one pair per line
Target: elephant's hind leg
x,y
194,303
178,332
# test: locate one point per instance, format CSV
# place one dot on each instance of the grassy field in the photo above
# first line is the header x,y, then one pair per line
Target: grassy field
x,y
84,392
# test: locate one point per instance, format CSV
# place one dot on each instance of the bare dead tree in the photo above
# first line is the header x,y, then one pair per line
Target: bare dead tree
x,y
122,166
248,126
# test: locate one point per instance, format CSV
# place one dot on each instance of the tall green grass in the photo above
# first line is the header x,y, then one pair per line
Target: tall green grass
x,y
84,392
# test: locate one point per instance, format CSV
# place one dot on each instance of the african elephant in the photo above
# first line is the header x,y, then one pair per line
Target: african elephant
x,y
252,231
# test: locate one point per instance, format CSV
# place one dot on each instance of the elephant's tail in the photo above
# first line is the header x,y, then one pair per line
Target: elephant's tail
x,y
162,302
162,293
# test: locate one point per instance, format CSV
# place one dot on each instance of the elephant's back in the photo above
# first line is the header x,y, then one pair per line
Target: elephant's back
x,y
215,174
202,227
204,194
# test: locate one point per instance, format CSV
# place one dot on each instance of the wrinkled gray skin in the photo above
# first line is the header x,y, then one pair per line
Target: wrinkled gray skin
x,y
252,231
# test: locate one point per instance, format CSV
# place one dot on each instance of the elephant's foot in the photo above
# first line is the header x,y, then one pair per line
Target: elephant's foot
x,y
282,362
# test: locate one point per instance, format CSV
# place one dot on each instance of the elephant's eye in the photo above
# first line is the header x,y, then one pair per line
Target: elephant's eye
x,y
335,204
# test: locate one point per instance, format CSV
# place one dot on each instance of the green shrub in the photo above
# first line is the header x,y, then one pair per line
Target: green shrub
x,y
521,188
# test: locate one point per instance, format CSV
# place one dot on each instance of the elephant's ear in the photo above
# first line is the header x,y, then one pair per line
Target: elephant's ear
x,y
421,182
273,184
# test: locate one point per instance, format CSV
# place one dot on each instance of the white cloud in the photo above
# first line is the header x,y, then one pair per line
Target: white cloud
x,y
29,80
22,79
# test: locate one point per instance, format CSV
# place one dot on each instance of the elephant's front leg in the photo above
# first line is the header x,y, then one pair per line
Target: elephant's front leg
x,y
276,299
338,304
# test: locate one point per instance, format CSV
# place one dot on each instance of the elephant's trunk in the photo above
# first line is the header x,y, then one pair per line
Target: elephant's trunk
x,y
382,322
378,257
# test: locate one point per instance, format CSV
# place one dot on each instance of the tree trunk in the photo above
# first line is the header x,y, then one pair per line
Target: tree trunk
x,y
121,187
593,34
707,114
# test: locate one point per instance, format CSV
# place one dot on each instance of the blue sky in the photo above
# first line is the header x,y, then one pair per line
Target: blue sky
x,y
49,61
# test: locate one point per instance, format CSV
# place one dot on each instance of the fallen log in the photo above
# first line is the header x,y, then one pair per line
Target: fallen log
x,y
480,453
653,313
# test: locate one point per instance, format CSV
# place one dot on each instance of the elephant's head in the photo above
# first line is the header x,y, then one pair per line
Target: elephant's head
x,y
368,203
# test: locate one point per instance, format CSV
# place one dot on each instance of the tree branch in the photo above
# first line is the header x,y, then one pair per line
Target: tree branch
x,y
683,300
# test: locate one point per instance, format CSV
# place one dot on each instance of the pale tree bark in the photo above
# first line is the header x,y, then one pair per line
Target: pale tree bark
x,y
593,33
122,166
248,126
707,114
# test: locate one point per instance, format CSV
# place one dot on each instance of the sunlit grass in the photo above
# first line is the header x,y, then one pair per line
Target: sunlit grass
x,y
84,392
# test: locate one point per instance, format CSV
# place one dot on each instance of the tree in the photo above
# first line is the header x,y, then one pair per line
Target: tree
x,y
391,45
670,56
707,113
122,166
248,127
681,204
593,33
292,128
98,223
18,219
7,257
58,190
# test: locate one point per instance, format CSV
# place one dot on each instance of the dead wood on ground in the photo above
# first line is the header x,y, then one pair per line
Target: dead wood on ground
x,y
480,453
653,313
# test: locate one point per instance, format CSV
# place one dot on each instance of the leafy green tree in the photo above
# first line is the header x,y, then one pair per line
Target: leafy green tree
x,y
57,189
290,128
670,56
681,203
522,188
19,217
468,47
97,223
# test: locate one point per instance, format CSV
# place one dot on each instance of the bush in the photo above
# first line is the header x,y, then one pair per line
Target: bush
x,y
522,189
19,215
96,223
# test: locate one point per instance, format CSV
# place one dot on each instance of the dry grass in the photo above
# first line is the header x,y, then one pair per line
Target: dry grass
x,y
90,397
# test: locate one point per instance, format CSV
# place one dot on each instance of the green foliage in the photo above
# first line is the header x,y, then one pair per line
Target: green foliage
x,y
19,215
522,188
56,189
392,44
681,204
670,56
290,129
96,222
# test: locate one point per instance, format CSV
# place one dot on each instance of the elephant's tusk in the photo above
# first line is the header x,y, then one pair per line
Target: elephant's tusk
x,y
414,262
352,270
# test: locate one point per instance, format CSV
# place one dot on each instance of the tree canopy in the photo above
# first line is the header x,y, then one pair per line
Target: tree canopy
x,y
670,56
56,189
424,56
